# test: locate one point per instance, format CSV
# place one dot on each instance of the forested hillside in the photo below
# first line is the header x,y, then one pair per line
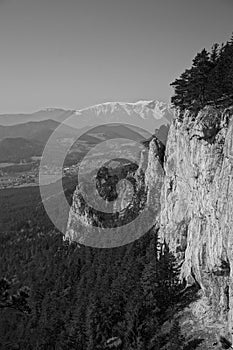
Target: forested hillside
x,y
60,295
79,297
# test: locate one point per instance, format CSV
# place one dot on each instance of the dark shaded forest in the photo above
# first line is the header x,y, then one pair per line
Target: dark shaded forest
x,y
57,295
71,297
60,295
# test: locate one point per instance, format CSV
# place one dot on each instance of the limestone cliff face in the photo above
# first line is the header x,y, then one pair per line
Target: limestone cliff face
x,y
190,190
197,205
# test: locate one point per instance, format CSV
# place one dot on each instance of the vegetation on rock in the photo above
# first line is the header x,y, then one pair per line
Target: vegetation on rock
x,y
208,82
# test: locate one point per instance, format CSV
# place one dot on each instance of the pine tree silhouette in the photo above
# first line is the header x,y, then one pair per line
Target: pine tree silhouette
x,y
208,81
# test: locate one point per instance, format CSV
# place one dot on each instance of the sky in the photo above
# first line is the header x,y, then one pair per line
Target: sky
x,y
72,54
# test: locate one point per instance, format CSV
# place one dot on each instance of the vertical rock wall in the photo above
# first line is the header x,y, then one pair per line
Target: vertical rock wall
x,y
197,205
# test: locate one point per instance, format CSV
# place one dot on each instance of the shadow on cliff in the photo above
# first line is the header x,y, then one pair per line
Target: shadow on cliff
x,y
186,339
187,296
193,344
176,325
183,296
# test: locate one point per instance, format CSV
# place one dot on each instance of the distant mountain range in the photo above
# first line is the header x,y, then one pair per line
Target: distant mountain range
x,y
56,114
30,132
113,111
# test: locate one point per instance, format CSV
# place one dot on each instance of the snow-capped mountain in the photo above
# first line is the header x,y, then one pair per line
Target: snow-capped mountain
x,y
143,108
144,113
147,114
157,108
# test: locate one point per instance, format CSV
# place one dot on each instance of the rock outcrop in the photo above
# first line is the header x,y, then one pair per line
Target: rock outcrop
x,y
138,197
196,216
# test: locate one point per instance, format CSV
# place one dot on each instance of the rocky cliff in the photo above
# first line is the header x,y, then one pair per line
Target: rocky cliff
x,y
191,188
137,203
196,211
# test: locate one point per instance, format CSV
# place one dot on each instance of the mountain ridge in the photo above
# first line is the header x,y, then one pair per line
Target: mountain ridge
x,y
160,109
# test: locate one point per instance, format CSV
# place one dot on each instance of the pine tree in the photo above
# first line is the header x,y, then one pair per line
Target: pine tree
x,y
176,340
227,63
181,97
199,77
214,54
94,320
208,81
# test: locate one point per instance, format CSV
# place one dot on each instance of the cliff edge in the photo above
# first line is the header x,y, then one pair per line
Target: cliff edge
x,y
196,217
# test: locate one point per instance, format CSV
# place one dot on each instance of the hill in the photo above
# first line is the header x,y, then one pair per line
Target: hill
x,y
18,150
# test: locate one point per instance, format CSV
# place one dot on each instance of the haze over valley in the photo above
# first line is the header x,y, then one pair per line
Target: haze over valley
x,y
22,143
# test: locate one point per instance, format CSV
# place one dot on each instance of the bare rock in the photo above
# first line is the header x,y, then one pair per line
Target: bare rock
x,y
197,205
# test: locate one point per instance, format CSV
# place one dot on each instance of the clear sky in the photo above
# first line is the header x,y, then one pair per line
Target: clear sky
x,y
73,53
